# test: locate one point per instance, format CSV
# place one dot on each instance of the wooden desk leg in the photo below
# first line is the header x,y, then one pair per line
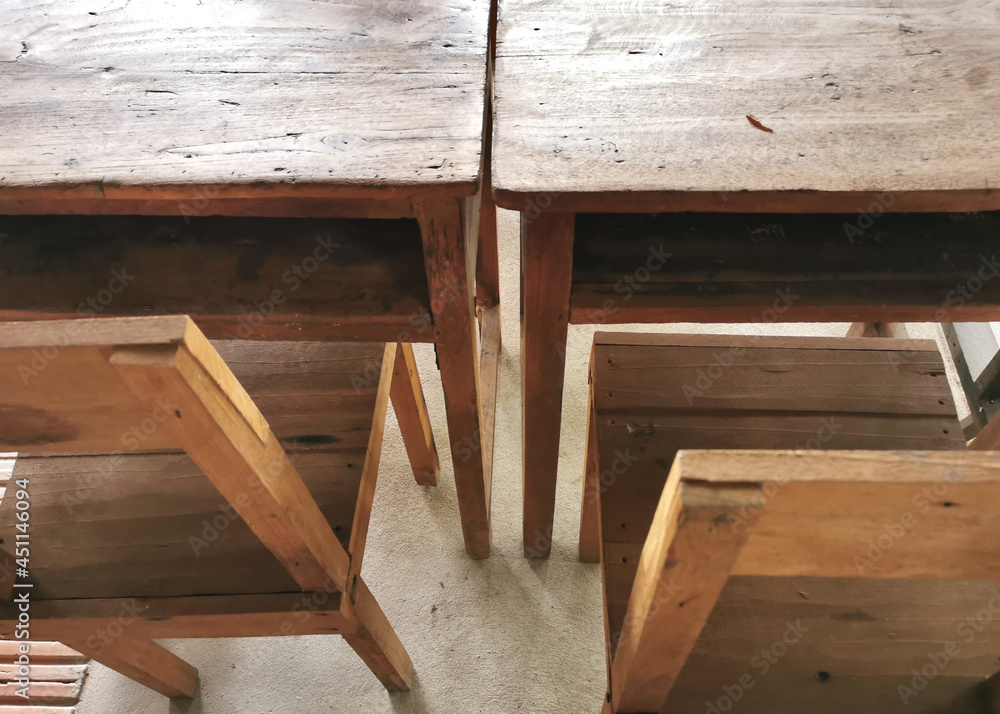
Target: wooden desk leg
x,y
376,642
590,517
141,660
546,274
449,234
411,413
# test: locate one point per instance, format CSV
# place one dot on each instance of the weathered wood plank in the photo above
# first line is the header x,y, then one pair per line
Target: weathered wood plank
x,y
239,278
653,107
209,108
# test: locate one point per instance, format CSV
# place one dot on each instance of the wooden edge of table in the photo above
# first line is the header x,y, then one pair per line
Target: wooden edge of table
x,y
251,190
534,202
641,339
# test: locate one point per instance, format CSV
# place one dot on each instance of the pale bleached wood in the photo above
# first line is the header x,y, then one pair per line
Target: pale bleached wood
x,y
411,414
648,106
155,102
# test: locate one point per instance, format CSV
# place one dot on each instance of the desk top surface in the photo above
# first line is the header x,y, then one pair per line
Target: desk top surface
x,y
256,96
769,96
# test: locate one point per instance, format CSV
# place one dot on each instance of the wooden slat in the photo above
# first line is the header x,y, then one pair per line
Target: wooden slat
x,y
239,278
45,672
268,615
54,693
784,267
411,414
208,109
41,652
826,510
649,108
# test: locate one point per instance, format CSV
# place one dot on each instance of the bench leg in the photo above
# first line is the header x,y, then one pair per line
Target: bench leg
x,y
546,274
411,413
449,235
144,661
590,516
377,643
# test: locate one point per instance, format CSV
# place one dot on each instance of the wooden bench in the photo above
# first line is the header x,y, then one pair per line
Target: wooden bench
x,y
285,171
816,581
174,489
740,162
655,395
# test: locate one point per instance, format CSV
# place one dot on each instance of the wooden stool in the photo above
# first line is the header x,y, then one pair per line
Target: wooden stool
x,y
161,502
289,171
653,395
678,163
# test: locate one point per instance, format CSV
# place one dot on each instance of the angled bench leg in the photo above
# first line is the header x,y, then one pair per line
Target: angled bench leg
x,y
144,661
546,275
692,546
449,234
411,413
377,643
590,515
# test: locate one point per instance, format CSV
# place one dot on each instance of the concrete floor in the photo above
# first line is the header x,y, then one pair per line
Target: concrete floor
x,y
501,636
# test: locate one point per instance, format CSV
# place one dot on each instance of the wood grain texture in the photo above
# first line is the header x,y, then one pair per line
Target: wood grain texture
x,y
266,615
267,99
546,264
771,267
684,565
847,629
656,394
644,104
145,661
450,228
239,278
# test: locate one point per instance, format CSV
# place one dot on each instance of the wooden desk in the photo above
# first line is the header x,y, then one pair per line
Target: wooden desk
x,y
653,396
207,116
604,113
